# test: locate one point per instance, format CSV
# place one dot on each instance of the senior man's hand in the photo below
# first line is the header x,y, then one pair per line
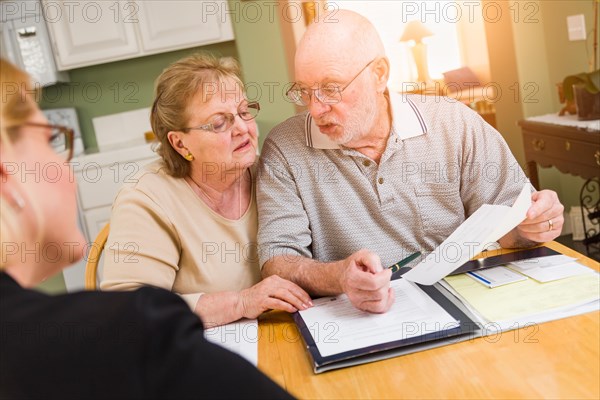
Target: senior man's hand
x,y
543,223
367,283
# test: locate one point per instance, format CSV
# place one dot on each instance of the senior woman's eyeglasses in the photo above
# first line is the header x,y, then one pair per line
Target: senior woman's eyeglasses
x,y
61,138
329,93
222,122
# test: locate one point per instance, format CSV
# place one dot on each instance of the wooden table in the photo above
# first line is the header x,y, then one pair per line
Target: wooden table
x,y
569,149
558,359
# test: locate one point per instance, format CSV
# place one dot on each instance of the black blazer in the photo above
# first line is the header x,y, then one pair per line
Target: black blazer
x,y
107,345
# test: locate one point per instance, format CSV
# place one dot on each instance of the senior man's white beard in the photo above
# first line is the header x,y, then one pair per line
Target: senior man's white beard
x,y
359,124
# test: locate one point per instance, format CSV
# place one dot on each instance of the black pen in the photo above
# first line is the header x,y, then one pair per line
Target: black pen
x,y
404,261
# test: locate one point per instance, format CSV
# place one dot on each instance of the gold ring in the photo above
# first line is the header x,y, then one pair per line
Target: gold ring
x,y
550,225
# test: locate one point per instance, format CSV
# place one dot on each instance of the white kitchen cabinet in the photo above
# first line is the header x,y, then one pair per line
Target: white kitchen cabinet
x,y
95,219
159,33
96,32
99,177
87,33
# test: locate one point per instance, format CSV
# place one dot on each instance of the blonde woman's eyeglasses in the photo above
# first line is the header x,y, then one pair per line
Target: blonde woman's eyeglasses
x,y
61,138
222,122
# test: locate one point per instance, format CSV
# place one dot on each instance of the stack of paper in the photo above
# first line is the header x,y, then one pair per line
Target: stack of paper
x,y
337,326
568,290
528,301
546,269
239,337
494,277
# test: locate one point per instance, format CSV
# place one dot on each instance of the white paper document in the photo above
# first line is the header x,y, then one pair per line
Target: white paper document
x,y
337,326
497,276
240,337
488,224
543,262
552,268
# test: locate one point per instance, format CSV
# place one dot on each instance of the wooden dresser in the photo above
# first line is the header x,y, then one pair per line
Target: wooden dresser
x,y
568,148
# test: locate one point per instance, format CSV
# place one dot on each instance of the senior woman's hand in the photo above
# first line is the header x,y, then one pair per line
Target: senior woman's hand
x,y
273,293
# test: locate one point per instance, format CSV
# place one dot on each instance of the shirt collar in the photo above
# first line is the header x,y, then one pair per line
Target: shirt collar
x,y
407,122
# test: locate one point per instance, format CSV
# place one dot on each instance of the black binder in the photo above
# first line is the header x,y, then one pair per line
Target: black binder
x,y
467,329
502,259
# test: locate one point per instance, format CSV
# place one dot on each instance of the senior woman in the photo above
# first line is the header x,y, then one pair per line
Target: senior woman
x,y
188,223
89,345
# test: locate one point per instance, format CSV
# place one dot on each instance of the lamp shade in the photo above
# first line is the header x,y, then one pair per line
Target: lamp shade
x,y
416,31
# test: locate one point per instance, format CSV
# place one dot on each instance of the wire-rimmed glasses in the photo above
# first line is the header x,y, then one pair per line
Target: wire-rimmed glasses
x,y
222,122
329,93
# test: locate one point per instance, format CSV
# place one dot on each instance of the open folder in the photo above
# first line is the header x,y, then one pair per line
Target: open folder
x,y
338,335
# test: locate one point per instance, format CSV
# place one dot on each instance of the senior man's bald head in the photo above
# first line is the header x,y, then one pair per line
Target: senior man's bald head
x,y
341,37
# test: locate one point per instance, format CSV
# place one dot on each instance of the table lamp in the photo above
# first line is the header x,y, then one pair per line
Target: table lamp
x,y
416,31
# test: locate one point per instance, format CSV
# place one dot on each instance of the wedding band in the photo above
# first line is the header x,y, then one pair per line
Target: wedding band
x,y
550,225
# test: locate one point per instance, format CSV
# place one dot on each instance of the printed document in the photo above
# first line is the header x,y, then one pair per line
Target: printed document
x,y
337,326
488,224
240,337
547,269
523,301
497,276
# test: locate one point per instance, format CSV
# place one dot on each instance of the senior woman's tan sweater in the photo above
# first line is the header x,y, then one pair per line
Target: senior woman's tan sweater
x,y
162,234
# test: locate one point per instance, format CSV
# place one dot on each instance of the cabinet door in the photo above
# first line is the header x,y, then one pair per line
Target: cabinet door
x,y
6,50
171,25
95,220
74,275
91,32
99,183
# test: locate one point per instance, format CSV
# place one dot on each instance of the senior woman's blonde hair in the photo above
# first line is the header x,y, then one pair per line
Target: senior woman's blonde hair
x,y
175,88
17,105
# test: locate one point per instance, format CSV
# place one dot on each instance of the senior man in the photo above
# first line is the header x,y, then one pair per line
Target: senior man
x,y
367,176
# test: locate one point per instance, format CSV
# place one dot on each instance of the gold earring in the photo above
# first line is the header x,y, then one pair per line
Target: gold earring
x,y
189,156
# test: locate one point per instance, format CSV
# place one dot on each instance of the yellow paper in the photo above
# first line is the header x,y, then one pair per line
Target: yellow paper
x,y
524,298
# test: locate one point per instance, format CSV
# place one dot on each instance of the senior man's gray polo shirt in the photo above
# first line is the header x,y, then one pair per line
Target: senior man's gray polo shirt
x,y
319,200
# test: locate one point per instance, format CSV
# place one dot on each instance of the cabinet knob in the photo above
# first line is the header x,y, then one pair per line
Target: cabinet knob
x,y
538,144
26,32
567,145
597,157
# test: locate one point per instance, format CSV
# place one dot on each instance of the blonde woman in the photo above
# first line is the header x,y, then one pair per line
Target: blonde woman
x,y
145,344
189,222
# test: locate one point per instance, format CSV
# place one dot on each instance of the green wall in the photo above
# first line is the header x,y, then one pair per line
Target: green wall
x,y
55,284
260,48
565,58
544,57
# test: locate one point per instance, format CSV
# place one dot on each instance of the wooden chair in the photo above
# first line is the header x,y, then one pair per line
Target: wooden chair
x,y
91,267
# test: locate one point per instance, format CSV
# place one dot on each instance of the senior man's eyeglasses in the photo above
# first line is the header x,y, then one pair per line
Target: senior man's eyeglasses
x,y
222,122
329,93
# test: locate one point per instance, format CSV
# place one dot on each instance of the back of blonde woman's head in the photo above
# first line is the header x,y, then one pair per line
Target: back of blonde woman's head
x,y
17,104
18,99
175,87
